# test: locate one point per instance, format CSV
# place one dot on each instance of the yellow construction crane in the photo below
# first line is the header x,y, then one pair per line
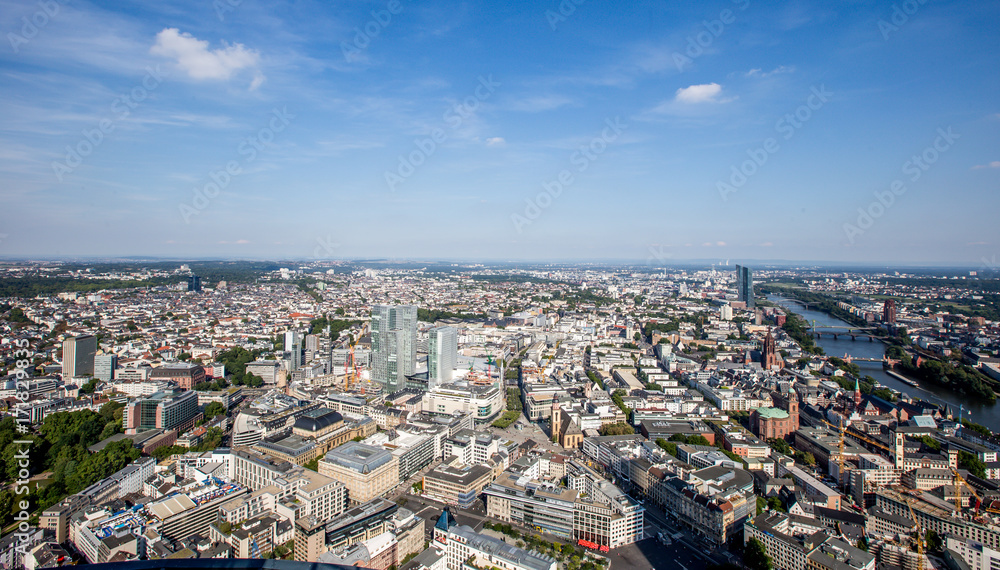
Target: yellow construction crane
x,y
860,437
958,497
350,376
920,539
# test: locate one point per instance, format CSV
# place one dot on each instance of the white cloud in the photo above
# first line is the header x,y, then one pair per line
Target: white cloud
x,y
757,72
994,164
495,141
194,58
705,93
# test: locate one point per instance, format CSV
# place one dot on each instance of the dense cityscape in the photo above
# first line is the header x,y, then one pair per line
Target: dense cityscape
x,y
519,285
450,416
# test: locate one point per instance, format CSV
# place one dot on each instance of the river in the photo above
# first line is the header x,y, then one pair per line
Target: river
x,y
985,414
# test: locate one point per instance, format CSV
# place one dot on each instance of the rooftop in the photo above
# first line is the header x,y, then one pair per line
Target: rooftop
x,y
358,456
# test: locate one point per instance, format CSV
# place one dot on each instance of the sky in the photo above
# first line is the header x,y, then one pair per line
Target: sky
x,y
862,132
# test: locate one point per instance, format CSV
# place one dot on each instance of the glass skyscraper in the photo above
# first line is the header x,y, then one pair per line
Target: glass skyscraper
x,y
394,345
744,285
442,355
293,345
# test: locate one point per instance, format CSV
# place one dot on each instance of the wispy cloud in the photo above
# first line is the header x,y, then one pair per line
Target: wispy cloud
x,y
495,141
994,164
759,73
540,103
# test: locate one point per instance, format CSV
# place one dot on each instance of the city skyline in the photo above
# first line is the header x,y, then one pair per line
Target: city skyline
x,y
731,130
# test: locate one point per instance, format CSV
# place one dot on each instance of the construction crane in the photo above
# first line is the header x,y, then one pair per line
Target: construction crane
x,y
958,498
860,437
351,376
920,540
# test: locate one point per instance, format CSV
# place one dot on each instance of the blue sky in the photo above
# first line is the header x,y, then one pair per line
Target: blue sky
x,y
644,110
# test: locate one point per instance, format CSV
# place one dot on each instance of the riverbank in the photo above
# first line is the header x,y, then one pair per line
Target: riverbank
x,y
981,411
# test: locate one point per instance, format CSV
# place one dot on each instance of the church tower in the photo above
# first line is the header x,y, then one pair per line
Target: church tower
x,y
857,394
793,408
556,418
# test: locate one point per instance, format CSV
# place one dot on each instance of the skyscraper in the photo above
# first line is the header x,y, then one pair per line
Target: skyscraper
x,y
889,311
442,355
104,366
394,345
293,344
194,283
78,356
744,285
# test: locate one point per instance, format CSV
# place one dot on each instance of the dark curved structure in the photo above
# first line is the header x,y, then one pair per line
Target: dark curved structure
x,y
318,419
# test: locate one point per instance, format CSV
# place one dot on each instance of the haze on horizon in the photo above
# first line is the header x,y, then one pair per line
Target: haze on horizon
x,y
391,129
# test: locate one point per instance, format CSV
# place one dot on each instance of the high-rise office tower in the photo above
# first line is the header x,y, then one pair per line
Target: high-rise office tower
x,y
78,356
442,355
293,344
104,366
889,311
394,345
744,285
194,283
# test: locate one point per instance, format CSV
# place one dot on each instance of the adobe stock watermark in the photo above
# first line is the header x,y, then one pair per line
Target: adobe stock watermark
x,y
914,168
989,265
364,35
223,7
900,16
121,107
657,254
22,516
324,248
32,25
786,126
454,117
703,39
565,9
223,177
581,159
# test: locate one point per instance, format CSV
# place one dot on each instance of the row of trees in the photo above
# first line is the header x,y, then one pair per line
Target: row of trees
x,y
619,428
959,378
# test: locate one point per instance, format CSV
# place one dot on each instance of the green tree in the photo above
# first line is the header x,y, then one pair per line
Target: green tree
x,y
934,542
667,446
779,445
972,463
213,409
755,556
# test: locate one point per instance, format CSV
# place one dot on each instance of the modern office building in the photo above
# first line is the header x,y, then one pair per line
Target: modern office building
x,y
458,486
194,284
367,471
464,547
394,345
590,508
316,535
484,402
744,285
104,366
442,355
167,410
293,345
78,356
889,311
